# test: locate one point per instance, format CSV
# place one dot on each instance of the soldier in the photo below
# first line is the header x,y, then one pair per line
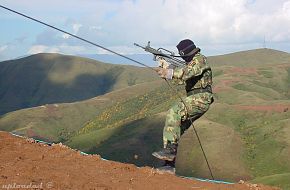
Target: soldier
x,y
197,77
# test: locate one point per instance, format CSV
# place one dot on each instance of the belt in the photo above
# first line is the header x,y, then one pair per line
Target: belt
x,y
199,90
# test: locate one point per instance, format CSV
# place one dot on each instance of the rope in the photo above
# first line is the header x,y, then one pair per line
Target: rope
x,y
195,131
109,50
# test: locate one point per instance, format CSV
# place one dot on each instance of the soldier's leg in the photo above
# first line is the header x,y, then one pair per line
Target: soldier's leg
x,y
171,134
194,115
172,130
179,118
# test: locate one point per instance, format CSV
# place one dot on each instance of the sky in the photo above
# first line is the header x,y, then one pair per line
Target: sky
x,y
217,27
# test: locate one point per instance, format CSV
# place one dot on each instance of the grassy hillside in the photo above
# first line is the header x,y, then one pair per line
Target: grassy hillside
x,y
57,122
251,58
53,78
278,180
245,133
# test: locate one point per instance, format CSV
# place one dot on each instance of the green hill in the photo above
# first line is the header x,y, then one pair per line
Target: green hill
x,y
245,133
278,180
53,78
251,58
57,122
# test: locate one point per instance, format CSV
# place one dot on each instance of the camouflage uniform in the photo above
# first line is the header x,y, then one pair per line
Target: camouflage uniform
x,y
197,77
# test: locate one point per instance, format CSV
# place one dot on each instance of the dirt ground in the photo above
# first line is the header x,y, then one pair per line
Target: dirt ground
x,y
25,164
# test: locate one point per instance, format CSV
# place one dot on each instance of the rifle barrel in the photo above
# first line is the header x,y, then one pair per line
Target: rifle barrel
x,y
139,46
158,52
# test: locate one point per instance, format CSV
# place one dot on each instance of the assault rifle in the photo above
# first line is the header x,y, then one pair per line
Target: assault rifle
x,y
165,59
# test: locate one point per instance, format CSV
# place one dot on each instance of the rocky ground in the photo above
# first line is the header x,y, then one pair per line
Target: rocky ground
x,y
25,164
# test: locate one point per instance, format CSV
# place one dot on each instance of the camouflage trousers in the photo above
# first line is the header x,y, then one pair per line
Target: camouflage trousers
x,y
177,118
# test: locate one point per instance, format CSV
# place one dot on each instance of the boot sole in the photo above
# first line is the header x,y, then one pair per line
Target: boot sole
x,y
162,157
166,169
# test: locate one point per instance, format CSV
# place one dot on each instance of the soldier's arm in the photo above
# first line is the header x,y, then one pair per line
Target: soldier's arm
x,y
193,69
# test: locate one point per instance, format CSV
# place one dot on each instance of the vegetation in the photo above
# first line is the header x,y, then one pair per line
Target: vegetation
x,y
245,133
52,78
278,180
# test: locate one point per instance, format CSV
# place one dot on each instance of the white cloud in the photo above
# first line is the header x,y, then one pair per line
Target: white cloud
x,y
41,49
56,49
95,28
205,22
118,24
66,36
286,9
76,27
3,54
3,48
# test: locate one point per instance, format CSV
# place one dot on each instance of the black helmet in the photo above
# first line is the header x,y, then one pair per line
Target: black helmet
x,y
186,49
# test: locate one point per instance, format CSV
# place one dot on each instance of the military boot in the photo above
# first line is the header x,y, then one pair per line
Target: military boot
x,y
168,167
168,153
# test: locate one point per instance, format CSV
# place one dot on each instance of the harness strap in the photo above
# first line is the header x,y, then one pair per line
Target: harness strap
x,y
199,90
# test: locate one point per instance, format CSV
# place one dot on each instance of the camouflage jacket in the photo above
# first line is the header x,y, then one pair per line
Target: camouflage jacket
x,y
195,75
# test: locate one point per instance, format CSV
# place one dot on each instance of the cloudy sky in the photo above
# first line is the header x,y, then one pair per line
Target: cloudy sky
x,y
217,27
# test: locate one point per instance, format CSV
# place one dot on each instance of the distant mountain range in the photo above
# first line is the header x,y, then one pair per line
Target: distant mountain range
x,y
114,59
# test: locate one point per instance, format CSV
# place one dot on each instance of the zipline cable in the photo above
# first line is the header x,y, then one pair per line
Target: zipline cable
x,y
126,57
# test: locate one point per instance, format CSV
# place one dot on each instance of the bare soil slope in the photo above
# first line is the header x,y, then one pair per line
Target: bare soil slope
x,y
24,162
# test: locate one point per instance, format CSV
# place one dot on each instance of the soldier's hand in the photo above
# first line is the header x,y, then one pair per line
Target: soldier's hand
x,y
162,62
164,73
